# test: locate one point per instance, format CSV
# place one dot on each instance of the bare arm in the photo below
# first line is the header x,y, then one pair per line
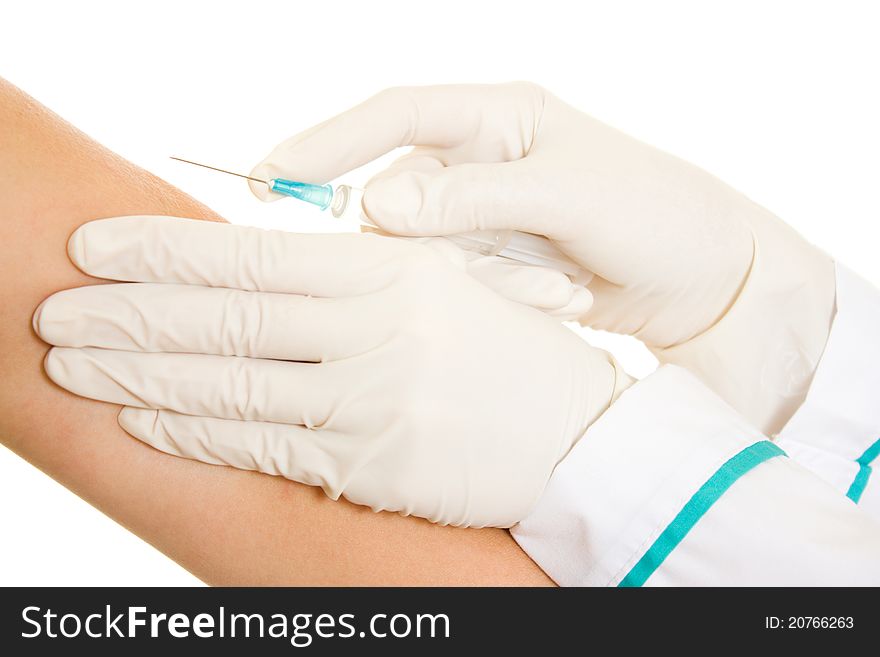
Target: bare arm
x,y
226,526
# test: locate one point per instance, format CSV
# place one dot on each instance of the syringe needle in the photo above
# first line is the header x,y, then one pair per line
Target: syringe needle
x,y
231,173
320,195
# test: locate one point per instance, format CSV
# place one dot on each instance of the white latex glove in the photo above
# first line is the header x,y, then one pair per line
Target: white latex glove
x,y
702,275
367,365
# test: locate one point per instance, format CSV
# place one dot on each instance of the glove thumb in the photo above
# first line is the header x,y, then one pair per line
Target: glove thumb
x,y
457,199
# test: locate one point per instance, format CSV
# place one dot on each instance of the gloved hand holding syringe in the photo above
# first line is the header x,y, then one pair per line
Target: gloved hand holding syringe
x,y
345,203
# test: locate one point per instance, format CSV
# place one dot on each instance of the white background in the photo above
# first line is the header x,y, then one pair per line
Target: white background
x,y
780,99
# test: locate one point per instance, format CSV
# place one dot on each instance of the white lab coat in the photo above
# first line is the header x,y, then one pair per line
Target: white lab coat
x,y
671,486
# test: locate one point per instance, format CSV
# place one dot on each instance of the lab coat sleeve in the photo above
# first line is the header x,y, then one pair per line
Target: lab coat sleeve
x,y
836,431
670,486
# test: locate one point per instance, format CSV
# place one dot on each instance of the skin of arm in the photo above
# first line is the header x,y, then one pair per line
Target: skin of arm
x,y
228,527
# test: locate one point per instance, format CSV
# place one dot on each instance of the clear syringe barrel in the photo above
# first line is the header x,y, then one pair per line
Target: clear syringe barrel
x,y
515,245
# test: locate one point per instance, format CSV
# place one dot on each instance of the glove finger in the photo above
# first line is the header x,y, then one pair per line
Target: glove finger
x,y
462,198
580,303
174,250
605,313
444,116
539,287
542,288
419,159
290,451
215,386
205,320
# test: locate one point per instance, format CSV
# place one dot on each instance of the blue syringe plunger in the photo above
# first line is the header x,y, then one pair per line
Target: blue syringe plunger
x,y
320,195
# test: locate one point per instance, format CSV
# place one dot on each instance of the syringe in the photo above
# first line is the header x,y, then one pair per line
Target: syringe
x,y
345,202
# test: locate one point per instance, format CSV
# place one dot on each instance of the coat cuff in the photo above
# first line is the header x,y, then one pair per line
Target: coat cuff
x,y
640,477
836,431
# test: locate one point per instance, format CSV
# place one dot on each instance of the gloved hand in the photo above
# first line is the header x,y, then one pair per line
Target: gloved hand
x,y
706,278
370,366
